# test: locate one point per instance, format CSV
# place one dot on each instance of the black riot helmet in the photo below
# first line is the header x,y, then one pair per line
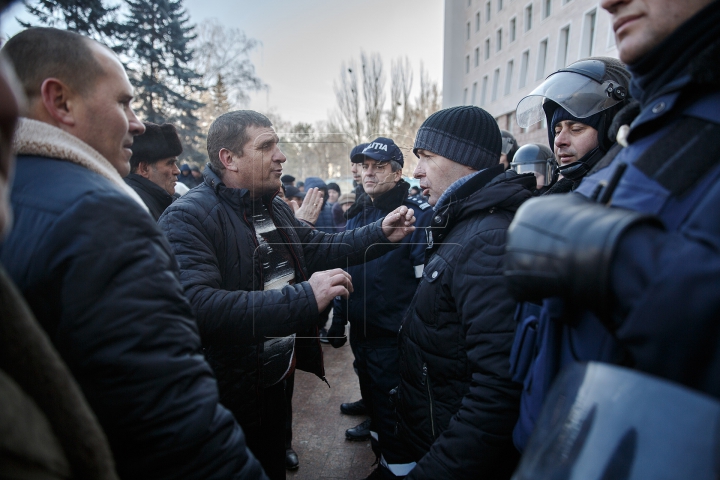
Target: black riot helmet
x,y
509,145
592,89
537,159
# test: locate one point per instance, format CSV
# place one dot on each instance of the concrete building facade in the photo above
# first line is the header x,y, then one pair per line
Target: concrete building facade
x,y
498,51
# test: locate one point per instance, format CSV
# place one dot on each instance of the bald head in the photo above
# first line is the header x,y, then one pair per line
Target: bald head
x,y
41,53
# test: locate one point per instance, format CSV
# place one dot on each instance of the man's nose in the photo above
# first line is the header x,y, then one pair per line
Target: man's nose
x,y
561,139
279,156
135,126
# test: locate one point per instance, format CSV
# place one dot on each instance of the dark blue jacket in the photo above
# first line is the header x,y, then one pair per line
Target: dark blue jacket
x,y
102,281
214,240
384,287
666,306
457,404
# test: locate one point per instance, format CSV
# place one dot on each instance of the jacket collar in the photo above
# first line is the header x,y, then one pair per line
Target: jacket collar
x,y
238,198
487,190
151,188
33,137
393,198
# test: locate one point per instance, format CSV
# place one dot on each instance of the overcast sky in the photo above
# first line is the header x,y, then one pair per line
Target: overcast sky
x,y
304,43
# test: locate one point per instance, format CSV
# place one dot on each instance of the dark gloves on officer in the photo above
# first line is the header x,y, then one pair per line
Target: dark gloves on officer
x,y
563,245
336,335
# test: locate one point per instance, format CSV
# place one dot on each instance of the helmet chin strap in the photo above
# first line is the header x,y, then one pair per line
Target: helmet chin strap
x,y
577,170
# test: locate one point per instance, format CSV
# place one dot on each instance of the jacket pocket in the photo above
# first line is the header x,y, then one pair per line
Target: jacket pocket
x,y
429,291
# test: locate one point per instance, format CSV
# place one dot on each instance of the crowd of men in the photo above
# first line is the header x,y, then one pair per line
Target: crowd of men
x,y
148,334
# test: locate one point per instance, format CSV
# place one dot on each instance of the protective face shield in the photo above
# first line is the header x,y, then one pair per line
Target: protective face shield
x,y
582,89
507,144
537,159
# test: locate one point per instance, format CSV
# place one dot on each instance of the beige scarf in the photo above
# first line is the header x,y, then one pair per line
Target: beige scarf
x,y
39,138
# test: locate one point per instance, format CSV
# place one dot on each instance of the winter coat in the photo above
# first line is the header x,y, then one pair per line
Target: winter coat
x,y
48,428
213,238
384,287
155,197
457,404
101,280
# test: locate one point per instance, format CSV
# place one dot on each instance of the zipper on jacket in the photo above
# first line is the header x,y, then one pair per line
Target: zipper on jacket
x,y
426,381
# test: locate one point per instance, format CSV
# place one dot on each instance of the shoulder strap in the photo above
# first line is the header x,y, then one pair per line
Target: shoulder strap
x,y
678,160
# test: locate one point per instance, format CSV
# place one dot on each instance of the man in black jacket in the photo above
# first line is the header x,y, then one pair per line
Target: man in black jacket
x,y
99,275
456,403
258,279
153,166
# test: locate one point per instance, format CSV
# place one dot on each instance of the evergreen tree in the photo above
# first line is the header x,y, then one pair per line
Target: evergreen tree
x,y
156,38
220,96
88,17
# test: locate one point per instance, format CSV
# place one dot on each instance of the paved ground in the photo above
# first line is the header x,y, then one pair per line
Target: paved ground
x,y
319,427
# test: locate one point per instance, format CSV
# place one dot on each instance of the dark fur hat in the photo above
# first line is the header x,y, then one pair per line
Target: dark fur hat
x,y
158,142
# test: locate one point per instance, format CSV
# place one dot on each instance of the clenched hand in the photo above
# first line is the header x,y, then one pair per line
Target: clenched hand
x,y
328,284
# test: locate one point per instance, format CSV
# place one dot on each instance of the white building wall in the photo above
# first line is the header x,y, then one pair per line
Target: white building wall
x,y
544,34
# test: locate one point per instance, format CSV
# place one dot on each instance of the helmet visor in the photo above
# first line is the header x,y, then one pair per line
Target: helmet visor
x,y
507,145
581,96
542,170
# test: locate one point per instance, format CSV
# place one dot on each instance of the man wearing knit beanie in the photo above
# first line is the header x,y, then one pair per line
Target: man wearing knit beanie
x,y
153,166
456,403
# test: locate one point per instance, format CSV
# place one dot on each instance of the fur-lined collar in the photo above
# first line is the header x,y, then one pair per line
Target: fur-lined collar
x,y
33,137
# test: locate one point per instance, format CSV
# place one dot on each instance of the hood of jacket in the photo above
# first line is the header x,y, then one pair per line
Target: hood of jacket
x,y
33,137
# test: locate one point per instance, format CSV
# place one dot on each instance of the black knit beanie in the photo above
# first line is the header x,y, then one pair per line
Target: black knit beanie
x,y
158,142
468,135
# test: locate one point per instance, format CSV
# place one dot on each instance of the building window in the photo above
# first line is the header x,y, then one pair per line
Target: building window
x,y
547,8
498,40
496,81
588,40
528,17
500,5
469,3
487,49
611,37
563,41
513,29
487,12
465,97
508,77
477,56
524,68
542,60
468,31
474,93
477,22
483,94
467,64
565,2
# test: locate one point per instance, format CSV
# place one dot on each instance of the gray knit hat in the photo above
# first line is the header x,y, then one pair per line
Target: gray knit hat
x,y
467,135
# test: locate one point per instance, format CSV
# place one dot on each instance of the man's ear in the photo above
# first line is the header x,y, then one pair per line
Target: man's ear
x,y
226,157
57,98
143,169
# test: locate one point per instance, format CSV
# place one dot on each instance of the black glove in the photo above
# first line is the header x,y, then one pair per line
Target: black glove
x,y
336,335
563,245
